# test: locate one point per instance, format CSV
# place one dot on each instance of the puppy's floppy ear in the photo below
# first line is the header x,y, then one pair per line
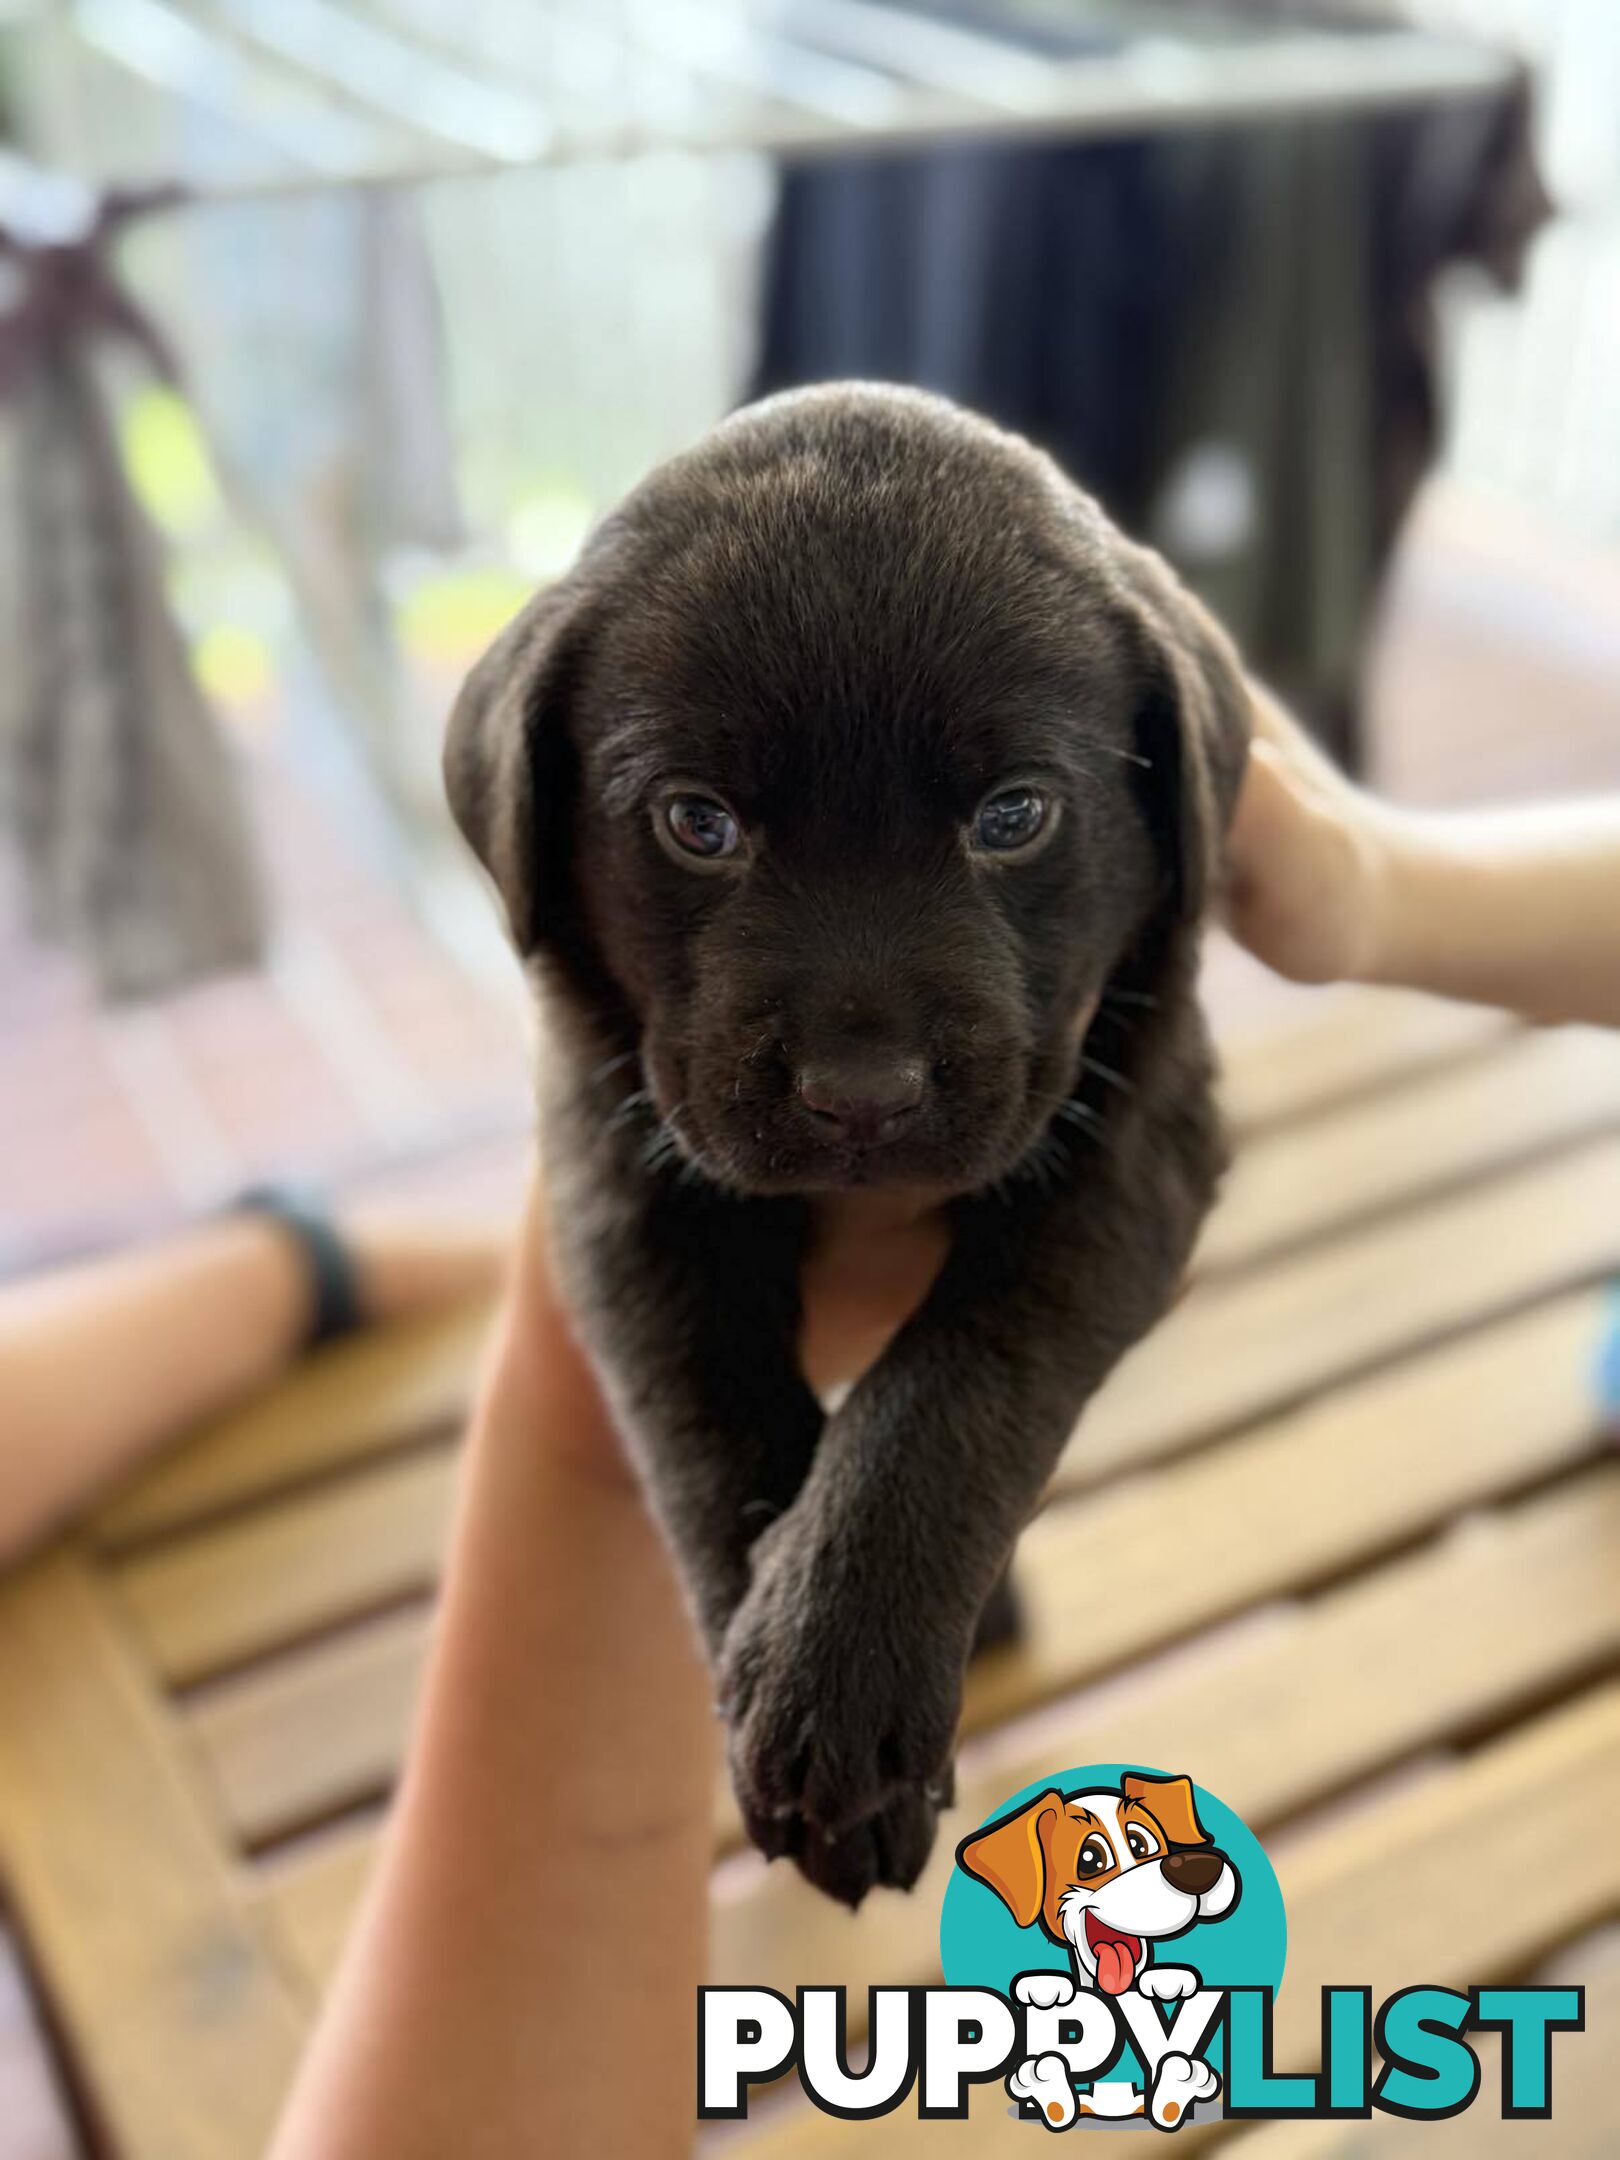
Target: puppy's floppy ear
x,y
509,759
1192,725
1170,1802
1010,1857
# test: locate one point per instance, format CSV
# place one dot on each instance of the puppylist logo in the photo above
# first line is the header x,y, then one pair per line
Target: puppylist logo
x,y
1112,1941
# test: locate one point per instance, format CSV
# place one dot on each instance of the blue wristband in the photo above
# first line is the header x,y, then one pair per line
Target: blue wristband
x,y
328,1264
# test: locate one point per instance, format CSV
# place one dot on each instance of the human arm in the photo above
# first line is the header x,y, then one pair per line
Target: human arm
x,y
523,1977
107,1360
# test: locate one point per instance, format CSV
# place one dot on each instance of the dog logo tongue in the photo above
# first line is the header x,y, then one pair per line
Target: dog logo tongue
x,y
1117,1955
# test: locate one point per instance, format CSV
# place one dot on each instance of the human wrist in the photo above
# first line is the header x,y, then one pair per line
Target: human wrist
x,y
1414,878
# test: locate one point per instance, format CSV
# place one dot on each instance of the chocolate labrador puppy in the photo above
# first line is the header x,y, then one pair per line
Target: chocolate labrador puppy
x,y
855,801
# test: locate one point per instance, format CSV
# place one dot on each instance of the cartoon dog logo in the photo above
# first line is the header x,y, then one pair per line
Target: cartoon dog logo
x,y
1109,1875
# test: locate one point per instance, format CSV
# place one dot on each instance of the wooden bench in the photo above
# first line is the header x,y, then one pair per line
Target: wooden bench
x,y
1343,1537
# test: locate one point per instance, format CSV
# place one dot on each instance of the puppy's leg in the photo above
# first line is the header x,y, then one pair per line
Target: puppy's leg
x,y
1167,1983
842,1670
1001,1618
688,1301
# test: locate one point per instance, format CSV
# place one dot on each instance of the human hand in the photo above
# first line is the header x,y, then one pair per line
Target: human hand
x,y
1308,858
868,1265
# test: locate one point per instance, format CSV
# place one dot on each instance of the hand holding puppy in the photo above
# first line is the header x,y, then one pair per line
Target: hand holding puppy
x,y
1329,883
1307,858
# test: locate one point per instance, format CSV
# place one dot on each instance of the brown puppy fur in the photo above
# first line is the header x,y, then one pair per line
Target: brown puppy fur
x,y
854,802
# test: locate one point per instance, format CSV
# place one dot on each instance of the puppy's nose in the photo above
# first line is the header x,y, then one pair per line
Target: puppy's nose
x,y
862,1099
1194,1872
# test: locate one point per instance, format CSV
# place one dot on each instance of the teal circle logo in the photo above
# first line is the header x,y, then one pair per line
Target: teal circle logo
x,y
1123,1877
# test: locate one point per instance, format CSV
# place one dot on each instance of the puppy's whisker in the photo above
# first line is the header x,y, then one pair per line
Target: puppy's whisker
x,y
1082,1115
660,1142
613,1065
664,1147
1127,757
749,1062
1044,1161
1129,997
1107,1073
630,1109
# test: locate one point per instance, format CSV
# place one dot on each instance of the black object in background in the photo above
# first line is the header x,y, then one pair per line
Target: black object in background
x,y
1226,334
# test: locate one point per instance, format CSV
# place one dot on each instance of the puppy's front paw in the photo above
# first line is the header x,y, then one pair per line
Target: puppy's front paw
x,y
887,1851
841,1724
1044,1990
1167,1983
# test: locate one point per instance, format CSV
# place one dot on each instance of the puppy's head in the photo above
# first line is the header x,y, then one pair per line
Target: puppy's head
x,y
853,759
1107,1872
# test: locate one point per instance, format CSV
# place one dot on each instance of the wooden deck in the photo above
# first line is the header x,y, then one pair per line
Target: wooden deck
x,y
1343,1538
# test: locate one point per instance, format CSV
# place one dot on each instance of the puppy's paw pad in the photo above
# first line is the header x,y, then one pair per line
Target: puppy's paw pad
x,y
845,1868
889,1850
904,1829
798,1744
1044,1990
1043,2082
1180,2082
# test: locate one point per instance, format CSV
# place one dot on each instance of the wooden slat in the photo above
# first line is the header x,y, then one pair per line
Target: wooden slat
x,y
1110,1575
1472,1627
1345,1043
1535,1091
320,1730
183,2028
221,1596
1103,1580
34,2121
1501,1609
1239,1349
344,1404
1386,1900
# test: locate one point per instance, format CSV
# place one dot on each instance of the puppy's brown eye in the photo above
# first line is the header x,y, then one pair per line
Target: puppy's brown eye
x,y
1095,1856
1011,820
702,827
